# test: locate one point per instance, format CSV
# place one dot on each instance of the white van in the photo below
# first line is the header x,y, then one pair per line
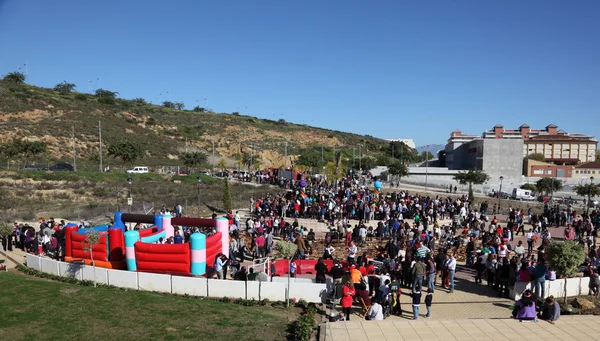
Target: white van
x,y
138,170
522,194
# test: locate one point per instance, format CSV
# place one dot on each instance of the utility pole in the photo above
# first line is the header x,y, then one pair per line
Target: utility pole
x,y
251,156
213,156
74,151
285,159
353,156
321,154
360,156
100,139
392,150
426,167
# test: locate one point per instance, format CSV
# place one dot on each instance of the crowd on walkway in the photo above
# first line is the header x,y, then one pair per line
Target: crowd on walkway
x,y
421,254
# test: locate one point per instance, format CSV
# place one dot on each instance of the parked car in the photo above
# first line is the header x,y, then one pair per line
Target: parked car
x,y
31,168
222,174
138,170
61,167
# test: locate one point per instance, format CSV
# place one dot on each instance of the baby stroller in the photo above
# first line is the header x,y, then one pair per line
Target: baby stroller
x,y
386,304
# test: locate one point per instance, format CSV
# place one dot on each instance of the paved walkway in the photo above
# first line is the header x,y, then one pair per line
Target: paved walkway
x,y
567,328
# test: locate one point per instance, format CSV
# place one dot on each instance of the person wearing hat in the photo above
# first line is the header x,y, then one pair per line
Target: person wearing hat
x,y
525,308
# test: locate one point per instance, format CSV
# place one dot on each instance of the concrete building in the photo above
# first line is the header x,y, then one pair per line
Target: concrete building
x,y
540,169
496,157
585,170
557,146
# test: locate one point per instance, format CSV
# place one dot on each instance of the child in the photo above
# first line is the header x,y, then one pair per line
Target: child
x,y
551,310
416,302
428,299
480,267
293,268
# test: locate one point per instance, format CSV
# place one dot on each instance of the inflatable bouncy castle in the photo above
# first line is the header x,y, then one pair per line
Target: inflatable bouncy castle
x,y
108,253
193,258
136,251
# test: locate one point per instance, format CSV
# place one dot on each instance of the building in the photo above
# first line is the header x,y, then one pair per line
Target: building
x,y
557,146
540,169
409,142
585,170
496,157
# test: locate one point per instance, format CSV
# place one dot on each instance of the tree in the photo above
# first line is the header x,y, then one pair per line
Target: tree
x,y
473,176
125,150
221,164
191,159
139,101
397,168
19,147
64,87
331,173
227,196
426,155
6,230
548,185
536,156
313,157
102,93
15,77
168,104
179,105
92,239
588,189
367,162
399,150
529,187
564,258
199,109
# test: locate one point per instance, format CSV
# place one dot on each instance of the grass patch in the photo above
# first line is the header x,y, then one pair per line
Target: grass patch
x,y
34,309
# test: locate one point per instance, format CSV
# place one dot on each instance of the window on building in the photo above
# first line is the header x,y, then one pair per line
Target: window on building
x,y
576,172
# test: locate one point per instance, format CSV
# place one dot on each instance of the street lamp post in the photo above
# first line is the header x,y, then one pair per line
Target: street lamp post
x,y
199,183
589,195
500,193
129,199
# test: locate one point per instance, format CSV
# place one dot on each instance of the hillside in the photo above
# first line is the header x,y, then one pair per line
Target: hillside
x,y
40,114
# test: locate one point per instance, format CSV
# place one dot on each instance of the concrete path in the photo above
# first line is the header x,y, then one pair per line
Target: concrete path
x,y
567,328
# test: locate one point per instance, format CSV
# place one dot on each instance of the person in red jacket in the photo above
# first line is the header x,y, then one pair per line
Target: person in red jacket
x,y
348,293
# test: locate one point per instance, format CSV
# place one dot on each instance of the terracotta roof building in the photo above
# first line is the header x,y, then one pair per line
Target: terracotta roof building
x,y
557,146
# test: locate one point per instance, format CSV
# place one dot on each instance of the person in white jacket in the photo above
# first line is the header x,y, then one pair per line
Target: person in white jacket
x,y
375,313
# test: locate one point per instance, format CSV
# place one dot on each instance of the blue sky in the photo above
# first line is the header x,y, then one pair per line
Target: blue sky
x,y
406,69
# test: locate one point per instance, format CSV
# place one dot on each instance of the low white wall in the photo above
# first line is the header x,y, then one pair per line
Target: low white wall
x,y
253,290
272,291
49,266
300,288
154,282
34,262
101,274
123,279
195,286
310,292
71,270
224,288
575,286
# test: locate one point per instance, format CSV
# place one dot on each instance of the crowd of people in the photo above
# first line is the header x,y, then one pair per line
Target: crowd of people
x,y
420,254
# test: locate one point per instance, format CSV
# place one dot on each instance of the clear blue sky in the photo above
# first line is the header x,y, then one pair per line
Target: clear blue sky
x,y
406,69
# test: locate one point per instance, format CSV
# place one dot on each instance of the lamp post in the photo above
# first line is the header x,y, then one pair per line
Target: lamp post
x,y
199,183
500,193
589,195
129,199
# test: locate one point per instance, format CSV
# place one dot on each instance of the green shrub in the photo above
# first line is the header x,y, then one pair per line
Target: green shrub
x,y
107,100
285,249
81,97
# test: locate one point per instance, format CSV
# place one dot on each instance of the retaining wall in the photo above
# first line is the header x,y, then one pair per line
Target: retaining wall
x,y
575,286
299,288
